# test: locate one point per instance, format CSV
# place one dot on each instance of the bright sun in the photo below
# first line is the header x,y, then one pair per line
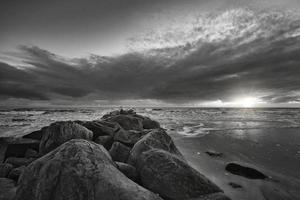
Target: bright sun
x,y
246,102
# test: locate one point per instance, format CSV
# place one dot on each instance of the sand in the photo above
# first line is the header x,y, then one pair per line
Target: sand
x,y
275,152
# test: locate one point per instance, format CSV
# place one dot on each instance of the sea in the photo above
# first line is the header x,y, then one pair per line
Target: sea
x,y
188,122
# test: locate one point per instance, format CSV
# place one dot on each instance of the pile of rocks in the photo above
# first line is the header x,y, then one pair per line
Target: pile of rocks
x,y
122,156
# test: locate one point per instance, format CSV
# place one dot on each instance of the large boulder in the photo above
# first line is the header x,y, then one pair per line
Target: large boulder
x,y
156,139
105,140
128,170
119,152
100,128
78,170
15,161
16,147
5,168
7,189
149,123
61,132
171,177
129,137
127,122
15,173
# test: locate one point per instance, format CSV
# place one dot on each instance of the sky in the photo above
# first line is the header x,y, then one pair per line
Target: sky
x,y
160,53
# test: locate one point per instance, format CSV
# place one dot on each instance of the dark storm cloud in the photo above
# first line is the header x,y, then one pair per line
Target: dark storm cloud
x,y
266,66
206,74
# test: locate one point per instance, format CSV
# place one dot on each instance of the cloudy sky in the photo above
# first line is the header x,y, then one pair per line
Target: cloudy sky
x,y
139,52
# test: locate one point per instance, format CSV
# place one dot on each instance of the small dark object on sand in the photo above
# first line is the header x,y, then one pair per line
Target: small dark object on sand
x,y
245,171
235,185
213,153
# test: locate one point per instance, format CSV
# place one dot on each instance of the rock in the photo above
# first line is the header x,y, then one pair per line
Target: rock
x,y
171,177
105,140
156,139
15,161
15,173
5,168
7,189
119,152
119,112
234,185
36,135
149,123
3,148
78,170
127,122
247,172
31,153
61,132
213,153
16,147
129,137
100,128
128,170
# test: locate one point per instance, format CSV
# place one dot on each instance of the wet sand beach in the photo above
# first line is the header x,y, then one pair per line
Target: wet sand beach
x,y
271,151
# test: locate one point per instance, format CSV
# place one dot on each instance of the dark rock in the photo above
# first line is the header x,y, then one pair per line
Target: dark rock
x,y
213,153
156,139
119,112
7,189
36,135
5,168
105,140
100,128
247,172
171,177
129,137
234,185
119,152
78,170
127,122
15,173
16,147
15,161
149,123
128,170
3,148
31,153
61,132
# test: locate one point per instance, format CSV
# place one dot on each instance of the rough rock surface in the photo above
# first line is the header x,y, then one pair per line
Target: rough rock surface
x,y
78,170
5,168
7,189
61,132
128,170
100,128
15,173
247,172
119,152
105,140
16,147
127,122
156,139
15,161
129,137
171,177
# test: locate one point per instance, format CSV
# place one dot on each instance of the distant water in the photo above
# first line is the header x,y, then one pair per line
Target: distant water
x,y
185,121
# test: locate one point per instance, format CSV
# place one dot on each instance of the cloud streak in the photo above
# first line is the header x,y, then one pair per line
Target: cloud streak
x,y
251,54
